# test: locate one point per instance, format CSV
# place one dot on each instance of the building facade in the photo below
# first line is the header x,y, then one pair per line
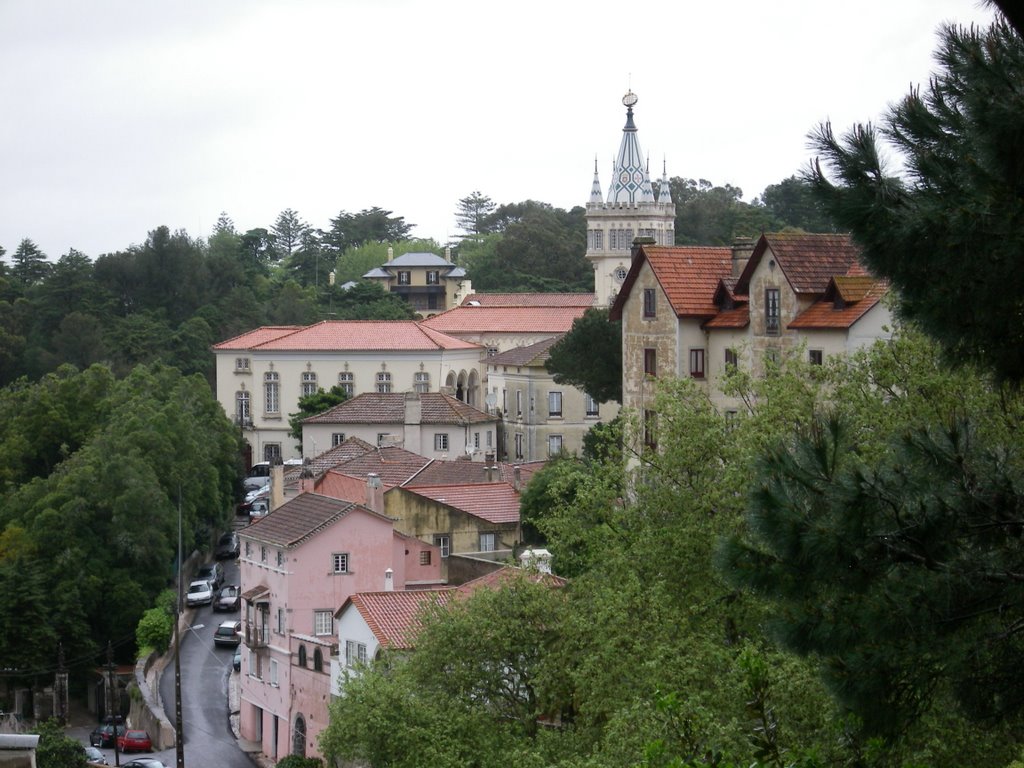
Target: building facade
x,y
427,282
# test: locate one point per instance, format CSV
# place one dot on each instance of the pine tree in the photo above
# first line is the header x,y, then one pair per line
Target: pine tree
x,y
473,213
288,233
30,264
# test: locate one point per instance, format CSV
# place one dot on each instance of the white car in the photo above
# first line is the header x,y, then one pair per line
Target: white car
x,y
199,593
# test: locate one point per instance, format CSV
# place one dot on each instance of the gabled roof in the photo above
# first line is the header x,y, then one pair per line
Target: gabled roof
x,y
394,617
389,408
418,260
807,260
301,518
494,502
529,300
456,472
846,300
347,450
532,354
352,335
688,275
393,465
505,319
738,317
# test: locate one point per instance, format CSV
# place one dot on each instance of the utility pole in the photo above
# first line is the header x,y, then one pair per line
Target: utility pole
x,y
112,699
60,688
179,736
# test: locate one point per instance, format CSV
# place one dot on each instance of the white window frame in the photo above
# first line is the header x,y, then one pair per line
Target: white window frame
x,y
355,653
383,381
273,673
347,382
593,408
243,406
444,542
487,542
309,384
280,623
323,623
554,445
441,441
242,364
555,404
337,438
340,562
421,381
272,392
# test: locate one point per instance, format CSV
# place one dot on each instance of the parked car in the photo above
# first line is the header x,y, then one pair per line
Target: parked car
x,y
228,599
93,756
251,498
213,573
227,546
143,762
236,662
227,633
257,476
103,735
199,593
134,741
259,508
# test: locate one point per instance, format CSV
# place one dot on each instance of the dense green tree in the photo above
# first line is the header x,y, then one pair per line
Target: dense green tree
x,y
288,233
715,215
366,301
589,356
793,203
473,212
258,246
56,749
29,264
946,231
372,225
311,405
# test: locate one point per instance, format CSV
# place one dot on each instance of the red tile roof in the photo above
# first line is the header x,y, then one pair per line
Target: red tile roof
x,y
349,449
494,502
302,517
807,260
394,466
738,317
467,319
846,300
394,617
389,408
355,335
471,472
688,275
529,299
532,354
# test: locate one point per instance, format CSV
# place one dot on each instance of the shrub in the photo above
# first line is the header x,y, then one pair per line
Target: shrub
x,y
154,629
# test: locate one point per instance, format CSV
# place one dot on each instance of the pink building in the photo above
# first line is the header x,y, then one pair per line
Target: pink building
x,y
298,565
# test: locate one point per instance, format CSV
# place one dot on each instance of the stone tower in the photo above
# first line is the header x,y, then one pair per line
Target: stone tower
x,y
631,210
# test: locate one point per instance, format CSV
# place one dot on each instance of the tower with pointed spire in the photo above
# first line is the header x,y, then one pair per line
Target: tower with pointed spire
x,y
631,210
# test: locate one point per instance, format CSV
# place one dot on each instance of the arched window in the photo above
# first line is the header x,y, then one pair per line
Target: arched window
x,y
302,655
299,736
318,660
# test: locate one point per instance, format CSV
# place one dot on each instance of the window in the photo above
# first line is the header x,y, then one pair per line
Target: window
x,y
255,665
382,437
771,311
554,445
271,392
650,306
730,358
242,364
519,403
554,403
263,554
815,356
347,381
355,653
308,384
433,277
490,439
242,412
620,274
281,626
650,428
318,660
486,542
595,239
302,655
519,445
271,452
504,401
444,541
651,363
492,351
432,301
273,672
248,549
425,557
421,382
337,438
339,562
730,419
383,381
280,558
476,439
593,407
404,277
697,363
441,441
323,623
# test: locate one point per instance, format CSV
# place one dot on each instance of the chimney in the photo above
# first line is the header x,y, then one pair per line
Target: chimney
x,y
448,254
389,580
742,248
391,253
413,422
517,477
374,493
276,483
307,482
536,560
638,243
490,473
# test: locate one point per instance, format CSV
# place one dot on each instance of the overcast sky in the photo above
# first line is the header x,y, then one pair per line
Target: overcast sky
x,y
121,116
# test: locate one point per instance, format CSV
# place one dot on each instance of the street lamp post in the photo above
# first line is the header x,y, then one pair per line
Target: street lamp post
x,y
179,736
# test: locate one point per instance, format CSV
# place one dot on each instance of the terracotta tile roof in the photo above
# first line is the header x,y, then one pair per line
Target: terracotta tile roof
x,y
349,449
808,261
688,275
302,517
494,502
254,338
467,319
846,300
394,466
532,354
389,408
529,300
730,318
471,473
394,617
355,335
505,575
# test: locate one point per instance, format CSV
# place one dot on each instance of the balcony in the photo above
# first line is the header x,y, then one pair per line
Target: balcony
x,y
256,635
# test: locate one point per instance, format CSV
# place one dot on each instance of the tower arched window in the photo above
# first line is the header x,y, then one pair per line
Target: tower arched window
x,y
318,660
302,655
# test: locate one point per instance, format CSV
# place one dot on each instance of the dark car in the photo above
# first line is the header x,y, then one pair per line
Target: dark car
x,y
227,633
236,662
228,599
213,573
93,756
227,546
103,735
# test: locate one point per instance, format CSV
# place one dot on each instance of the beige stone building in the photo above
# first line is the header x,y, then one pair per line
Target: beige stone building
x,y
429,283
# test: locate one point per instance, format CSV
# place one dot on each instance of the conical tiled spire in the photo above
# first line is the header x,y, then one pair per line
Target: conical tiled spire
x,y
631,182
595,188
664,191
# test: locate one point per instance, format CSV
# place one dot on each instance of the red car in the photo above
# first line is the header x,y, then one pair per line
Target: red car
x,y
134,741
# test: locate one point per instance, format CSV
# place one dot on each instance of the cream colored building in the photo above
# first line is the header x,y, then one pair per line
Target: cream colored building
x,y
262,374
429,283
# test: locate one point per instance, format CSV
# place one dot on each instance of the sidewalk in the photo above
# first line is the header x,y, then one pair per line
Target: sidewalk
x,y
251,748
